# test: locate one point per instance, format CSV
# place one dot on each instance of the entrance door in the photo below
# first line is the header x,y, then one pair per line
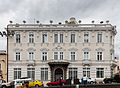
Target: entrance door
x,y
58,73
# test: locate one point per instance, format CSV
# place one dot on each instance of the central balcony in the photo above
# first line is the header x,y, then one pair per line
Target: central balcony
x,y
30,62
86,62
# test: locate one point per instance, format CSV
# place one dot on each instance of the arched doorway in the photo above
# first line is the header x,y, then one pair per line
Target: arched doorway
x,y
58,73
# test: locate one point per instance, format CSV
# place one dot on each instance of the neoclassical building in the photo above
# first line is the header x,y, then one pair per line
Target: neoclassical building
x,y
71,50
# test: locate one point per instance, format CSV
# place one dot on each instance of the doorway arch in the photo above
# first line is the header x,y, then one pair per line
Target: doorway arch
x,y
58,73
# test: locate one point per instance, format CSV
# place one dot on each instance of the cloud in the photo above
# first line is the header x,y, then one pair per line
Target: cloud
x,y
59,11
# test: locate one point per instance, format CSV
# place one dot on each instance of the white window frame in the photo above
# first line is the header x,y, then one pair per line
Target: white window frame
x,y
17,70
71,55
46,38
86,70
98,38
71,37
59,38
31,70
87,55
86,38
44,55
33,56
99,71
111,39
44,70
99,56
58,55
16,56
73,72
16,38
31,38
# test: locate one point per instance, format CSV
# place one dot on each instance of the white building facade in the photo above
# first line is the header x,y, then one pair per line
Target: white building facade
x,y
71,50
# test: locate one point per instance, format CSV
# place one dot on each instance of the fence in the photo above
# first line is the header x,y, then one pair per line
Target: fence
x,y
117,85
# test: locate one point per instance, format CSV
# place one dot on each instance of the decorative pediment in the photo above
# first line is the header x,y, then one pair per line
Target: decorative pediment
x,y
31,49
86,49
17,50
58,48
100,49
44,49
73,49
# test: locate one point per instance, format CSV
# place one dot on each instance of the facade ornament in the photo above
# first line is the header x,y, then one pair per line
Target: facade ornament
x,y
58,48
100,49
18,50
44,49
73,49
86,49
31,49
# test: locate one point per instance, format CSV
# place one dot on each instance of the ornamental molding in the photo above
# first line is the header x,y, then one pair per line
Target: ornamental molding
x,y
31,49
58,48
73,49
86,49
44,49
17,50
100,49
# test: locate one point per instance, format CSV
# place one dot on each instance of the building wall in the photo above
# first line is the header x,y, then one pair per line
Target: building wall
x,y
3,62
66,46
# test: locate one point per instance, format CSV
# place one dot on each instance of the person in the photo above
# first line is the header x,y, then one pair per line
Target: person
x,y
61,81
85,79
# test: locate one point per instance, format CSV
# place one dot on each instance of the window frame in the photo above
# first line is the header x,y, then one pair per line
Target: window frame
x,y
31,38
18,39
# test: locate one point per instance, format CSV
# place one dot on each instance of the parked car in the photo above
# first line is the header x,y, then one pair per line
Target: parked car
x,y
35,83
115,79
91,80
18,82
53,83
3,84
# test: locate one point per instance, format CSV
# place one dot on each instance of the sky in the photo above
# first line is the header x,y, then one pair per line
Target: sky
x,y
59,11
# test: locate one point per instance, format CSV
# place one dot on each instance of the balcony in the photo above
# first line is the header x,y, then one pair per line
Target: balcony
x,y
30,62
86,62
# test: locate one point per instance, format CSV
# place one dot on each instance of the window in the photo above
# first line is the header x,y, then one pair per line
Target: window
x,y
44,38
17,38
31,73
99,72
31,38
17,56
17,73
31,55
86,72
111,56
99,38
73,73
58,38
86,55
44,56
61,55
44,73
58,55
61,38
72,56
110,39
72,38
86,37
99,56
